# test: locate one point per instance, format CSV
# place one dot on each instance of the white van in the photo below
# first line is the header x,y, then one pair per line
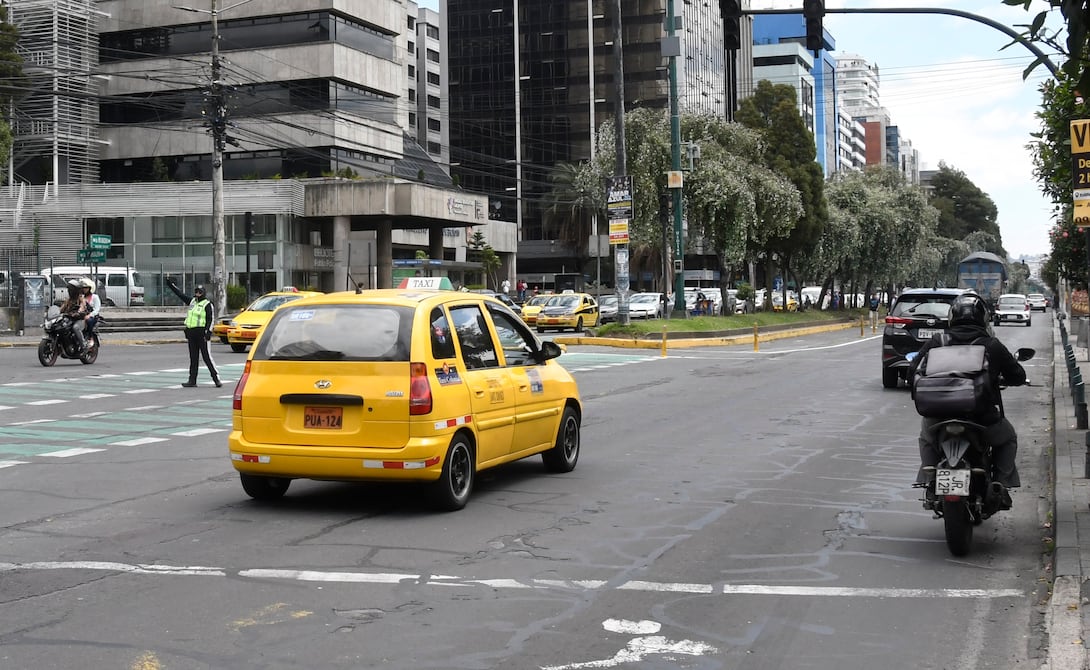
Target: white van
x,y
123,285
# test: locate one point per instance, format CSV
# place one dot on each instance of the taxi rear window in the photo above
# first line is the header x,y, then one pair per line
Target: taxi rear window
x,y
338,333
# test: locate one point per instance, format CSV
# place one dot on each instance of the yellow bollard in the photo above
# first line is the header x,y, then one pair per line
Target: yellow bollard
x,y
664,340
755,347
861,327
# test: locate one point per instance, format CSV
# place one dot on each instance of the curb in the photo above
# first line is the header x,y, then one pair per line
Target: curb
x,y
712,340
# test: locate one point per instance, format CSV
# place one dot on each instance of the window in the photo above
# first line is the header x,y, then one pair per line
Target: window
x,y
432,31
433,101
338,333
515,339
412,71
433,124
442,340
433,78
474,340
433,55
435,148
412,47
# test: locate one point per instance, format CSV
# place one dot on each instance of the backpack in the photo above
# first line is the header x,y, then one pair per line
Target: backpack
x,y
953,382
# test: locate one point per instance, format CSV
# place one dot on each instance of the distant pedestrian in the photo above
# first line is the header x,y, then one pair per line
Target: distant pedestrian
x,y
521,288
506,286
875,303
198,332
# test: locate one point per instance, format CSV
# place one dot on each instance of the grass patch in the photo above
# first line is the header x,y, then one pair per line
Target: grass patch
x,y
711,324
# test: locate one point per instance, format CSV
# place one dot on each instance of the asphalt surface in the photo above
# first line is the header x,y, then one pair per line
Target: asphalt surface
x,y
1067,620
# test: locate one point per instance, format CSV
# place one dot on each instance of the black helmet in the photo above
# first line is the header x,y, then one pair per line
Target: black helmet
x,y
969,309
199,290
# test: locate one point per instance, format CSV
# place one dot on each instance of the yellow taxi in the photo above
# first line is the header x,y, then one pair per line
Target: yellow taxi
x,y
399,385
568,310
222,325
243,328
532,307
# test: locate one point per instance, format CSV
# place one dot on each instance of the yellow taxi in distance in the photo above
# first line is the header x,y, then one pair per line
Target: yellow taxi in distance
x,y
245,326
568,310
399,385
532,307
222,325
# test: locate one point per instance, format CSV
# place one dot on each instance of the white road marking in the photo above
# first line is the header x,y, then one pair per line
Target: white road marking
x,y
88,415
8,464
138,442
96,396
586,585
66,453
54,401
135,391
3,407
143,372
197,432
27,423
639,647
144,408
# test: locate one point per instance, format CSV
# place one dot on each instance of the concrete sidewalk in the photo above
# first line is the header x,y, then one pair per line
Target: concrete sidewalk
x,y
1066,616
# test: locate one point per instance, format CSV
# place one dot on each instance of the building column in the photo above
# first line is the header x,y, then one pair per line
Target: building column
x,y
384,254
342,225
435,242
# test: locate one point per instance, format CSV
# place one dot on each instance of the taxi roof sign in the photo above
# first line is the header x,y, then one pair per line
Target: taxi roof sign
x,y
427,283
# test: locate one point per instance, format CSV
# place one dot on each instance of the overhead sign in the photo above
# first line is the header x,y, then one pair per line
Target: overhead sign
x,y
101,241
1080,171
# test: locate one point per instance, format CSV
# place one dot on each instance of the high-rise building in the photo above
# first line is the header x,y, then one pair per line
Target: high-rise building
x,y
429,118
530,80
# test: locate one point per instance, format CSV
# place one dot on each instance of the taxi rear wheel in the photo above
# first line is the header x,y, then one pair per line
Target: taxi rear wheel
x,y
565,454
264,488
238,348
451,492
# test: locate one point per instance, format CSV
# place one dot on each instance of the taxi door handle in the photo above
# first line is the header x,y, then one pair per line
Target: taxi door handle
x,y
479,393
524,387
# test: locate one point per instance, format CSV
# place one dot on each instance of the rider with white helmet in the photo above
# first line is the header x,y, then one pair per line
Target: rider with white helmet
x,y
94,303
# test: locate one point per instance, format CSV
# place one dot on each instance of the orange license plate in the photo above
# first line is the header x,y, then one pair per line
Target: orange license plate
x,y
249,334
322,417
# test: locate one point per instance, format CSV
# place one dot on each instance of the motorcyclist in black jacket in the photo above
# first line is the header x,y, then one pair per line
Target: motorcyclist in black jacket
x,y
969,325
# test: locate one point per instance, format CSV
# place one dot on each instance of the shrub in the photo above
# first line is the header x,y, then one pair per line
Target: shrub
x,y
236,297
745,292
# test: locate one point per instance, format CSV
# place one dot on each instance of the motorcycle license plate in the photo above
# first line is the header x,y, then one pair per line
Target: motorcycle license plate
x,y
951,482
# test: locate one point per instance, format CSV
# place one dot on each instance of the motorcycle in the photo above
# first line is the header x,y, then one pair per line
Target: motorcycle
x,y
59,340
961,490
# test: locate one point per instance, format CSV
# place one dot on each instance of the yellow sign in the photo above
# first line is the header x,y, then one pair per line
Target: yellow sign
x,y
675,179
1080,171
618,231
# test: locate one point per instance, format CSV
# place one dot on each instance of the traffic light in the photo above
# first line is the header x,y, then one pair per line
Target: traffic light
x,y
813,11
732,23
249,225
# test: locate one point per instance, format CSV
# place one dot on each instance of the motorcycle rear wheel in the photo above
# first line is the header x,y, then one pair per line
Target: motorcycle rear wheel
x,y
959,527
47,353
91,355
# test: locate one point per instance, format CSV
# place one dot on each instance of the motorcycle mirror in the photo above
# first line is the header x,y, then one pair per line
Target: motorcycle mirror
x,y
1025,353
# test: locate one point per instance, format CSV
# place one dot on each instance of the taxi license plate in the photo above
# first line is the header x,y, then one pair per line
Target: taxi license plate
x,y
248,334
927,333
322,417
951,482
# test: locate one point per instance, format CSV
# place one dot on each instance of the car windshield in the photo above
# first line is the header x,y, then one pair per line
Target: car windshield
x,y
338,333
608,301
563,301
538,300
268,303
939,307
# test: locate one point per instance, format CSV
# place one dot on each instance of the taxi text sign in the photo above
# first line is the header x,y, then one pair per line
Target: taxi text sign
x,y
1080,171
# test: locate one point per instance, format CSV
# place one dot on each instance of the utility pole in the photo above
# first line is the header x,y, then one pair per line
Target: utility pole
x,y
217,119
219,132
675,165
620,254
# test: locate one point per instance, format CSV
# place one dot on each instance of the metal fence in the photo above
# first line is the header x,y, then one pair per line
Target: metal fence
x,y
15,262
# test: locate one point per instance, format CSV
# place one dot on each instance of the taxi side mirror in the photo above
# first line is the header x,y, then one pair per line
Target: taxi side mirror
x,y
549,350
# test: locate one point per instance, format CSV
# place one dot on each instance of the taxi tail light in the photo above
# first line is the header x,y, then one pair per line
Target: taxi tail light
x,y
236,402
419,389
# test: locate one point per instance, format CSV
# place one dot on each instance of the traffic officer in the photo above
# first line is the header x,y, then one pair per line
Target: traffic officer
x,y
198,332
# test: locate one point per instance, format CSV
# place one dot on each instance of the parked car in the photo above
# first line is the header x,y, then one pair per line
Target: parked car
x,y
1012,308
915,316
792,302
568,310
1037,301
399,385
645,306
502,297
247,324
607,308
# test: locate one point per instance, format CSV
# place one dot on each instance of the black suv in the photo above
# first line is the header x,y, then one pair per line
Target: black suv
x,y
915,316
